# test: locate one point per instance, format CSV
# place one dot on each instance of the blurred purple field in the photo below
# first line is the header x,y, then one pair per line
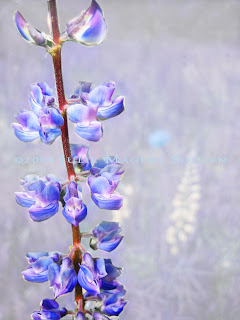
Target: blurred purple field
x,y
178,64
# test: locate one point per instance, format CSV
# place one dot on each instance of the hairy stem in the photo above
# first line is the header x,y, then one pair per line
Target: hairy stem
x,y
57,64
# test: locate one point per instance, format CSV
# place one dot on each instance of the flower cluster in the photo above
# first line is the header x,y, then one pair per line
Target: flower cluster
x,y
87,107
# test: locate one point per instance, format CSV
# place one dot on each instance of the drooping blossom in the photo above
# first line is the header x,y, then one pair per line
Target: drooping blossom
x,y
106,236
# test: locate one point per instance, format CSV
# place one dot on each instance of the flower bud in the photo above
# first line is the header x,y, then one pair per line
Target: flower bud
x,y
89,28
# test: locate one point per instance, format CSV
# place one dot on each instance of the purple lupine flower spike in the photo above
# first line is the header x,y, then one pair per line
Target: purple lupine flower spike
x,y
106,236
30,34
74,210
103,183
81,161
62,277
43,121
40,196
90,273
89,28
49,310
39,263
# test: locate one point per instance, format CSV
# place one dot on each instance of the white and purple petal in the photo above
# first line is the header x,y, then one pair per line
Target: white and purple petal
x,y
39,213
102,94
24,199
75,211
116,108
92,132
24,134
112,202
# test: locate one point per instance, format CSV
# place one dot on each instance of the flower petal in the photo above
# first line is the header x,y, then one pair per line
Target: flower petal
x,y
75,211
85,279
100,185
32,276
102,94
91,132
82,87
23,134
116,108
39,213
114,202
24,199
48,136
28,32
89,28
79,113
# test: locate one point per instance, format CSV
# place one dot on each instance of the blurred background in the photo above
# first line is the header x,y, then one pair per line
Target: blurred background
x,y
178,64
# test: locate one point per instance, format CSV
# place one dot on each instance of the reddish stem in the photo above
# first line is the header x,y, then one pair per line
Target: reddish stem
x,y
57,64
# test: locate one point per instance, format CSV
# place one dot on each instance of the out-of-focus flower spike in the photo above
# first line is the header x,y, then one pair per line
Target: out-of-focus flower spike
x,y
30,34
89,28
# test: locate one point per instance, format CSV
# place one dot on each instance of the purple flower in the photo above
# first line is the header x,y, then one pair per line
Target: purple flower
x,y
49,310
87,126
90,106
107,236
89,28
109,281
74,210
62,277
103,183
41,196
90,274
113,304
30,34
81,161
39,263
102,95
43,121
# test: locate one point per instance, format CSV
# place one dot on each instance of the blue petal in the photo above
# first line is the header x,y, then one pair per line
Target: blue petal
x,y
113,110
56,116
23,134
100,267
48,136
100,185
110,246
53,274
91,132
114,202
102,94
90,28
30,275
41,264
39,213
28,120
71,191
48,304
81,88
114,309
85,279
105,227
78,113
24,199
33,256
99,316
80,316
50,315
28,32
46,90
49,194
68,282
75,216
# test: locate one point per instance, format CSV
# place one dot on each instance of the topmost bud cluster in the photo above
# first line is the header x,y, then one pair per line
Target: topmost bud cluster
x,y
89,29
